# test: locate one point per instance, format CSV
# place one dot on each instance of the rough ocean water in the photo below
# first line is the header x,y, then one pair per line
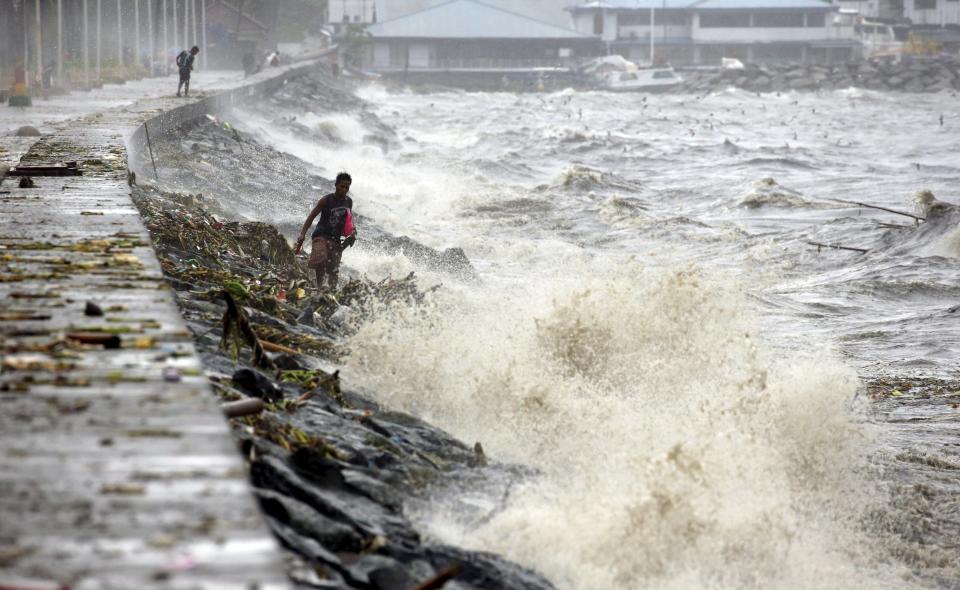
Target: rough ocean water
x,y
652,331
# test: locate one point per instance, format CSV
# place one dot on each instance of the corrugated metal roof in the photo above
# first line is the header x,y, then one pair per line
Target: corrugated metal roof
x,y
469,19
634,4
704,4
548,11
763,4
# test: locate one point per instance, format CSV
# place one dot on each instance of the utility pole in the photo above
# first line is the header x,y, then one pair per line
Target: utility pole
x,y
38,40
203,30
193,23
86,48
119,33
150,34
20,96
136,33
99,44
176,31
60,43
652,24
166,40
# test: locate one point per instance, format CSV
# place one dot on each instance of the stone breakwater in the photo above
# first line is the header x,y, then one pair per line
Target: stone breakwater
x,y
927,75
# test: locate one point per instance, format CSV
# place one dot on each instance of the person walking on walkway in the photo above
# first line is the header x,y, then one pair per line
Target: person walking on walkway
x,y
336,221
185,65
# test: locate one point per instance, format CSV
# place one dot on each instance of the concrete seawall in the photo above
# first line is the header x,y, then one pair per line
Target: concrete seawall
x,y
117,469
168,121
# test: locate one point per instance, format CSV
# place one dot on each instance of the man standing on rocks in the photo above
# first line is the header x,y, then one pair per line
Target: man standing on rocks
x,y
336,220
185,64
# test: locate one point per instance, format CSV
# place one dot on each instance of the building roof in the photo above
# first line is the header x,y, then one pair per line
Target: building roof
x,y
548,11
763,5
469,19
633,4
704,5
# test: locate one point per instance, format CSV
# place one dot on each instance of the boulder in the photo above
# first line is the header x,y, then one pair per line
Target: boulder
x,y
299,362
28,131
914,86
256,384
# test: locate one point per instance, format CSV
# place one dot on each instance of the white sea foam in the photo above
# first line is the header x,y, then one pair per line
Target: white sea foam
x,y
676,449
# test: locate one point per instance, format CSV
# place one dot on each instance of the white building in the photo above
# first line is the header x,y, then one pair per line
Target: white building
x,y
937,13
932,12
471,35
343,12
704,31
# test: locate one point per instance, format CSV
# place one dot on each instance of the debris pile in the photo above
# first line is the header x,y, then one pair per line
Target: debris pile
x,y
332,470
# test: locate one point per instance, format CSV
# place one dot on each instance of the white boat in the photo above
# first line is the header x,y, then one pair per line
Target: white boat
x,y
613,72
642,80
877,39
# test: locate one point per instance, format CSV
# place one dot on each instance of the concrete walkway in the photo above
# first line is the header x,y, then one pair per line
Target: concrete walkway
x,y
117,469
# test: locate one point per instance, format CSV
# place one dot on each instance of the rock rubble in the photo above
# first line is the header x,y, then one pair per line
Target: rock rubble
x,y
908,75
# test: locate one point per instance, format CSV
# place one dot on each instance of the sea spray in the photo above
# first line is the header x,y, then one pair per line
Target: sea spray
x,y
675,448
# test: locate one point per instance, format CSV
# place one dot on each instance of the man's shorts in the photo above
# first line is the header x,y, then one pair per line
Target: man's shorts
x,y
325,254
184,75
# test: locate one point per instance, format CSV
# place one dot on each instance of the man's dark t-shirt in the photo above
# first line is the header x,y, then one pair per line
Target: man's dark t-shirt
x,y
185,64
333,216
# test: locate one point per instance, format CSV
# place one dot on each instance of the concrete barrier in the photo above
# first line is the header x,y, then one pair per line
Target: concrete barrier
x,y
170,121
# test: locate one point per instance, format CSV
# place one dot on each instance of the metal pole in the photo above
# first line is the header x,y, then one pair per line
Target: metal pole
x,y
119,33
86,47
136,34
38,39
146,131
176,33
26,46
194,23
150,34
99,19
203,30
186,24
60,42
652,25
192,26
166,40
663,36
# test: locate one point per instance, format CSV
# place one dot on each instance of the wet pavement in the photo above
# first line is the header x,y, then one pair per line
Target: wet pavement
x,y
117,469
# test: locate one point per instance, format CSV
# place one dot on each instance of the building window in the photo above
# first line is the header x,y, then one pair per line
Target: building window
x,y
924,4
816,19
670,18
778,19
641,18
598,24
709,20
635,18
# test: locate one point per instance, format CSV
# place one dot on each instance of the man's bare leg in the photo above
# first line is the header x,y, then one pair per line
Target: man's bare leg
x,y
320,273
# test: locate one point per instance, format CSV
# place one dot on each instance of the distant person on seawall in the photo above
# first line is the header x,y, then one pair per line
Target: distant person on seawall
x,y
336,221
185,65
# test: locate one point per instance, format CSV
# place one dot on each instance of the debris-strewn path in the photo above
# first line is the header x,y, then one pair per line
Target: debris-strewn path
x,y
116,468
